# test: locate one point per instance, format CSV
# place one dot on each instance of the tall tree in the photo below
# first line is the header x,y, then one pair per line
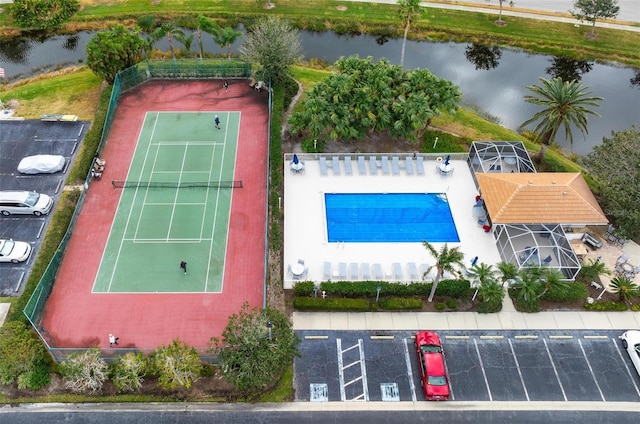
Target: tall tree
x,y
255,348
592,10
186,41
500,21
565,104
43,14
614,166
225,37
409,10
447,260
169,30
274,46
207,25
109,52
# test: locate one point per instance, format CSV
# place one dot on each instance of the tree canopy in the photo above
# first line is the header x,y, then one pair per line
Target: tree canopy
x,y
255,348
43,14
274,46
109,52
615,167
364,97
592,10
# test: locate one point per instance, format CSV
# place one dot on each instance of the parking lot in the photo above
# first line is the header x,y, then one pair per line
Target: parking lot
x,y
19,139
497,366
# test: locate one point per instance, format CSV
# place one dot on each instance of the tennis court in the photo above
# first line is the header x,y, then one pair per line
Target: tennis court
x,y
174,206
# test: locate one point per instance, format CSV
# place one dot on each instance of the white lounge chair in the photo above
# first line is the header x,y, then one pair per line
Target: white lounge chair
x,y
373,165
413,271
326,271
366,274
362,166
420,165
335,161
377,271
347,165
397,271
353,271
342,270
323,165
409,165
395,165
384,164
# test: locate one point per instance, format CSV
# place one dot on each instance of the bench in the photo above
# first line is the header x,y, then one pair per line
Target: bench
x,y
591,241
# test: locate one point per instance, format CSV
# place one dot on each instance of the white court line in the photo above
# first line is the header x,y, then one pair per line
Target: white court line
x,y
586,358
146,193
555,370
515,358
484,374
175,198
167,204
182,142
165,241
135,195
407,360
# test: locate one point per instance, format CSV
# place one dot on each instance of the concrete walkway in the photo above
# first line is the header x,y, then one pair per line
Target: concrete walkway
x,y
513,11
507,319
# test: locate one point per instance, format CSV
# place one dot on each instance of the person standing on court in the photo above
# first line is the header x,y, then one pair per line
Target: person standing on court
x,y
225,84
216,120
113,340
183,266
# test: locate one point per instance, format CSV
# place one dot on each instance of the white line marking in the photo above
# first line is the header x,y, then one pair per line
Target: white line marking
x,y
146,192
555,370
515,358
316,337
175,199
363,370
631,375
484,374
591,370
340,375
407,361
40,230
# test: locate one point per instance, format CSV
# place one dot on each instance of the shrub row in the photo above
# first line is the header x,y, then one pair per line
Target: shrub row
x,y
352,289
319,304
401,303
605,306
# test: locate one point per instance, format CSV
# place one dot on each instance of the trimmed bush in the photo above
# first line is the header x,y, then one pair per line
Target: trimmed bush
x,y
303,288
605,306
452,304
318,304
401,303
488,307
453,288
572,293
441,306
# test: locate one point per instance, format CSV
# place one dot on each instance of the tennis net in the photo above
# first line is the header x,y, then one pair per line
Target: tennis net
x,y
176,184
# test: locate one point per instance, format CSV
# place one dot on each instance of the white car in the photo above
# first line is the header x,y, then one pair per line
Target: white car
x,y
41,164
14,251
631,342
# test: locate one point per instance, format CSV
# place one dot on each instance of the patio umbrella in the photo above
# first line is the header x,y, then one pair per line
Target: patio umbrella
x,y
295,159
446,161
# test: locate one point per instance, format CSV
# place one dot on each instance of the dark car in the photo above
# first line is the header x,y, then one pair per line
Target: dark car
x,y
433,374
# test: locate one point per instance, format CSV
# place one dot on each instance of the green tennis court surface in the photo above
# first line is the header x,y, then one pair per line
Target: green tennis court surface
x,y
157,227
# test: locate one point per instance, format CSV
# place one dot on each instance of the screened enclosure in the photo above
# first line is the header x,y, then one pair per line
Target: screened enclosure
x,y
499,156
536,245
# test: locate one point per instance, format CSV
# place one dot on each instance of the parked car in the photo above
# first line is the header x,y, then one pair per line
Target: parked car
x,y
433,374
24,202
631,342
41,164
14,251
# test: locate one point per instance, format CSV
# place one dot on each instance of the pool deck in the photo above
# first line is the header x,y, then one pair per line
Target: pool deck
x,y
305,229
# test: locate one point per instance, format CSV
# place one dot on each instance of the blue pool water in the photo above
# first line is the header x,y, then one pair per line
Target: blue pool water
x,y
389,217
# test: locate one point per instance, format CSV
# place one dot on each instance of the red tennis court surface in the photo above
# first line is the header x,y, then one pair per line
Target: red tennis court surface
x,y
74,317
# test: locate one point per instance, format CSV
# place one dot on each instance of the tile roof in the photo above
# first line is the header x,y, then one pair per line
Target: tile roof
x,y
528,198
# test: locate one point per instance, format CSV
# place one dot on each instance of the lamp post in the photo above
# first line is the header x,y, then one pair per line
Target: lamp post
x,y
378,293
269,325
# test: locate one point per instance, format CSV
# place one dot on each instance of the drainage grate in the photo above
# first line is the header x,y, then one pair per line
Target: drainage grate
x,y
318,393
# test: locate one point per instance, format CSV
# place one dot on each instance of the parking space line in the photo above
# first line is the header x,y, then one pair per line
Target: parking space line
x,y
555,370
382,337
363,370
633,380
41,228
340,374
531,336
596,337
19,283
484,374
58,187
407,361
561,337
515,358
591,370
491,337
316,337
457,337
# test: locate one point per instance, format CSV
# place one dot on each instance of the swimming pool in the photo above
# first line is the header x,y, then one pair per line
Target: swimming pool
x,y
389,217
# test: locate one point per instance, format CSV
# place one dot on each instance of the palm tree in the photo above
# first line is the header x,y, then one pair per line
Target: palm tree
x,y
565,104
409,9
448,259
205,24
491,294
508,271
592,270
225,38
482,272
186,40
552,279
170,30
529,286
625,288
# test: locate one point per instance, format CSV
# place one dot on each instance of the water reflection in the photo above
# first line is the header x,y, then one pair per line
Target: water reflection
x,y
71,42
482,56
568,69
15,50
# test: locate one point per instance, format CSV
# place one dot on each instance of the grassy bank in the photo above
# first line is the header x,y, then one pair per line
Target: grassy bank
x,y
553,38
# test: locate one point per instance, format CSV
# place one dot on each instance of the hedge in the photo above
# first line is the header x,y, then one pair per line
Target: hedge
x,y
319,304
358,289
400,303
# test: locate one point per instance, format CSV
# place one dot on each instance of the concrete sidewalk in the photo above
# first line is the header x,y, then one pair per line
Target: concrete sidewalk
x,y
513,11
507,319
